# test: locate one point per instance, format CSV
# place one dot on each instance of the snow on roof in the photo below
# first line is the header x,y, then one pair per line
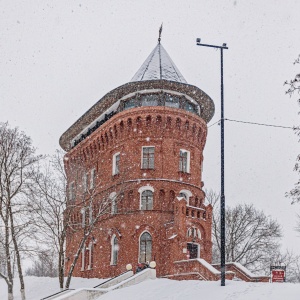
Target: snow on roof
x,y
158,65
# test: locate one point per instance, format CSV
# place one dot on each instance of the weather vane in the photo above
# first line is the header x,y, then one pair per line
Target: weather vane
x,y
160,30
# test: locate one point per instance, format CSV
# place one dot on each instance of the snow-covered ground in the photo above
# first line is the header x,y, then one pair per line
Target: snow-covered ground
x,y
40,287
164,289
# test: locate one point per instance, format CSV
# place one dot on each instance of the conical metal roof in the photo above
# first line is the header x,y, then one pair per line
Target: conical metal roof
x,y
158,65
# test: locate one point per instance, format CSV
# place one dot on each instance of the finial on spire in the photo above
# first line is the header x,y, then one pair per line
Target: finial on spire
x,y
160,30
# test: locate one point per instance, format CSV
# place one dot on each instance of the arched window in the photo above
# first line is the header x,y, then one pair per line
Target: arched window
x,y
146,200
114,250
90,249
186,194
194,232
145,247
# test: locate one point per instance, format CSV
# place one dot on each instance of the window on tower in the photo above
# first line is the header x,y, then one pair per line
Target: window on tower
x,y
114,250
116,164
184,161
147,200
172,100
145,247
85,182
72,191
148,158
92,179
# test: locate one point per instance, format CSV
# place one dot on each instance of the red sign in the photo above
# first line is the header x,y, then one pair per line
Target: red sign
x,y
278,275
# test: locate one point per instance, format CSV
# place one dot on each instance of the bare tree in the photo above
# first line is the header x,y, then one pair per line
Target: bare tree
x,y
250,235
17,158
95,205
47,202
71,212
44,265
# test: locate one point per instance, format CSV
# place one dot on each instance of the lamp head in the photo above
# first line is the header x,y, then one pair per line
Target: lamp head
x,y
198,40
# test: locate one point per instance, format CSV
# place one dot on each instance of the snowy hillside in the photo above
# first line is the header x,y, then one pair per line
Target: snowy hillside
x,y
164,289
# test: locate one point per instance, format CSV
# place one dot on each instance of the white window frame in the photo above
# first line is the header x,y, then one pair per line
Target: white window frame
x,y
196,231
114,208
188,195
142,158
72,191
146,188
112,251
114,164
85,182
187,163
90,214
82,211
140,244
92,179
82,258
90,248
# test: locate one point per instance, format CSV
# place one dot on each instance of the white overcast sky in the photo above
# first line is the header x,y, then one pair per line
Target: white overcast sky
x,y
57,58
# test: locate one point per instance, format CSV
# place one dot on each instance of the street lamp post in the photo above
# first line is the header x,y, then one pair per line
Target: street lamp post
x,y
222,163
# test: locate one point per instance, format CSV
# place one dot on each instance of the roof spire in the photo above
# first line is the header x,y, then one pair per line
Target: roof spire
x,y
160,30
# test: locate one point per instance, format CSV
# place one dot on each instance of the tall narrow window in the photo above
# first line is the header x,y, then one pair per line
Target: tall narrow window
x,y
114,250
145,247
92,179
147,200
72,191
113,199
90,265
82,211
82,258
85,182
184,161
116,163
90,214
148,158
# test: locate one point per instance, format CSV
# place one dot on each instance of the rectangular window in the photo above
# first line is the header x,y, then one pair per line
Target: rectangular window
x,y
82,211
116,163
148,158
85,182
82,258
72,191
90,214
184,161
92,179
90,265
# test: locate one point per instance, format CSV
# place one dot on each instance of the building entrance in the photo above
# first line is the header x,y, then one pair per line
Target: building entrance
x,y
192,250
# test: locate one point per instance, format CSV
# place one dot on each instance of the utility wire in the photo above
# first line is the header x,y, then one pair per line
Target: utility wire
x,y
253,123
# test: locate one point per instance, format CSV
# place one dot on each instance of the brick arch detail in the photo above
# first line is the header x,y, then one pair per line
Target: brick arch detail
x,y
143,228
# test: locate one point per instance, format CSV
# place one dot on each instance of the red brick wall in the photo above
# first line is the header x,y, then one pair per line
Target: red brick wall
x,y
168,130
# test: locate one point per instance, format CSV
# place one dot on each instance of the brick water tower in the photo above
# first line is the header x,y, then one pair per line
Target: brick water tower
x,y
136,156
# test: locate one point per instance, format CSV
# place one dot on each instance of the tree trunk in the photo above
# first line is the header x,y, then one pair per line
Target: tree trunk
x,y
9,281
61,263
12,229
10,295
70,273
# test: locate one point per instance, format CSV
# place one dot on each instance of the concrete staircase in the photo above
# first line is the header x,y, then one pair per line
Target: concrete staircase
x,y
196,269
123,280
